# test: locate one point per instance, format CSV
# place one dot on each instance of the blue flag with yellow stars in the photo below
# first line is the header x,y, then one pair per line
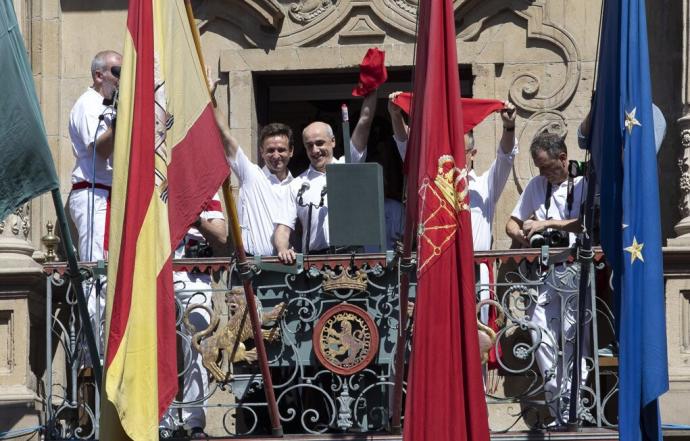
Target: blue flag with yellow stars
x,y
622,146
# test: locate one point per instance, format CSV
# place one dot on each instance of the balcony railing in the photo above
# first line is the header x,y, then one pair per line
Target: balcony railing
x,y
330,328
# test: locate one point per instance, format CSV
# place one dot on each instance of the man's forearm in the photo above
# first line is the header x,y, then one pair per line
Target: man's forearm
x,y
214,231
281,237
513,229
105,144
360,135
507,143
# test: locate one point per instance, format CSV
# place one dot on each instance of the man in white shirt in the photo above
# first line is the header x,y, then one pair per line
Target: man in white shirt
x,y
209,232
552,200
485,189
91,131
262,190
308,200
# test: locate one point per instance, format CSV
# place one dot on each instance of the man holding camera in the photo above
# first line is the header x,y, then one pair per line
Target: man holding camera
x,y
547,213
193,287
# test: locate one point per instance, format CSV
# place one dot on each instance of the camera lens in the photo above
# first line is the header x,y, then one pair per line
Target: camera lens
x,y
537,240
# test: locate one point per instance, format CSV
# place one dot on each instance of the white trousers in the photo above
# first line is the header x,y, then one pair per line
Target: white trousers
x,y
90,222
191,289
89,217
555,316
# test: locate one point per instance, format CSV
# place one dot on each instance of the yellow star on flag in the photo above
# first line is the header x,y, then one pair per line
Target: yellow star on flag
x,y
631,121
635,251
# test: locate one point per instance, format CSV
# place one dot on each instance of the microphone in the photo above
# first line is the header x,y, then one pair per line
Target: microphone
x,y
323,195
300,193
112,101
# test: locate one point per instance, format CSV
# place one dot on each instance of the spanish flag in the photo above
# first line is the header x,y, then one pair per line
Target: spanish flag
x,y
168,163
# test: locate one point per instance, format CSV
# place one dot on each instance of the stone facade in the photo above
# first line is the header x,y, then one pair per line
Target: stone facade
x,y
541,54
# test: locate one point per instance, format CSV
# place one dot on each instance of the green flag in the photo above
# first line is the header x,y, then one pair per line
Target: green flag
x,y
26,165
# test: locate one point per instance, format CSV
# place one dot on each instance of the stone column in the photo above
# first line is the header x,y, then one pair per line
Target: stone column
x,y
20,283
683,227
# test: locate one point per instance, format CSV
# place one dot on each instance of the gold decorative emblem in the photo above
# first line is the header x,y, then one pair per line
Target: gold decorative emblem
x,y
345,339
230,338
345,281
441,202
452,183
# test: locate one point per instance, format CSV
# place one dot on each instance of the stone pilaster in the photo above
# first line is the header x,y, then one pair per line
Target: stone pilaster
x,y
20,278
683,227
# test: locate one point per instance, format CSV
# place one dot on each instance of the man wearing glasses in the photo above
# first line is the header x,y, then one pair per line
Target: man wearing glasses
x,y
91,131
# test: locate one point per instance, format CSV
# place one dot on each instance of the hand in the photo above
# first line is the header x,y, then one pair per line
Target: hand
x,y
529,227
287,256
392,108
508,115
212,84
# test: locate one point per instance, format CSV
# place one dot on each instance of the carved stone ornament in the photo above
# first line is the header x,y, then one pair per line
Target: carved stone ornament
x,y
19,222
685,138
306,11
525,89
345,339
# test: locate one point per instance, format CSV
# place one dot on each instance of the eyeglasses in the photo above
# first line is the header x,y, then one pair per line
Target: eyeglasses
x,y
115,70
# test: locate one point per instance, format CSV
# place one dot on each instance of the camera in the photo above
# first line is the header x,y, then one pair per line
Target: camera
x,y
201,249
550,237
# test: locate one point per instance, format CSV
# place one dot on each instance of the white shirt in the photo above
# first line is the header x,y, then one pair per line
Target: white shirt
x,y
84,128
258,206
319,237
532,201
484,193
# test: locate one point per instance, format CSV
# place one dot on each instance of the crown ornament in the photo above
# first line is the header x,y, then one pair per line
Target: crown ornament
x,y
344,281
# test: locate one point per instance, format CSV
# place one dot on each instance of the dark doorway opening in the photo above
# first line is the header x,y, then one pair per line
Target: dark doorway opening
x,y
298,98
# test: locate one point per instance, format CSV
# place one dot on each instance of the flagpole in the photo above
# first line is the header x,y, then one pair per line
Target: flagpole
x,y
245,271
585,256
76,280
405,265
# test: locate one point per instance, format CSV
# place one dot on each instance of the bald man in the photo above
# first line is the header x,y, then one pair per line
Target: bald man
x,y
319,142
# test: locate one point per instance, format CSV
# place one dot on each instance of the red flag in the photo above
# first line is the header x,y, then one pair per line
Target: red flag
x,y
474,110
445,392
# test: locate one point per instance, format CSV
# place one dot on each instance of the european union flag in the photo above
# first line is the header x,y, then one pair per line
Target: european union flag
x,y
622,144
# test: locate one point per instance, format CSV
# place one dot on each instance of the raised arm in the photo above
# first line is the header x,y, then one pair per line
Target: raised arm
x,y
400,129
360,135
508,118
229,142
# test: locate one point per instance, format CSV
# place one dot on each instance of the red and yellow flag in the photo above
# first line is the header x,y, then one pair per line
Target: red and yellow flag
x,y
168,163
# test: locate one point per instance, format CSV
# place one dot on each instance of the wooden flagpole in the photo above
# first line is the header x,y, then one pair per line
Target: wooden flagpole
x,y
243,265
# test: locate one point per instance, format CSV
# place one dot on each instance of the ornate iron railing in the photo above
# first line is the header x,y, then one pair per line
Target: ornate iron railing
x,y
330,327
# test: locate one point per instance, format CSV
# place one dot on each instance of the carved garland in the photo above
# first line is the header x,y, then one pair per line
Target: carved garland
x,y
525,87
